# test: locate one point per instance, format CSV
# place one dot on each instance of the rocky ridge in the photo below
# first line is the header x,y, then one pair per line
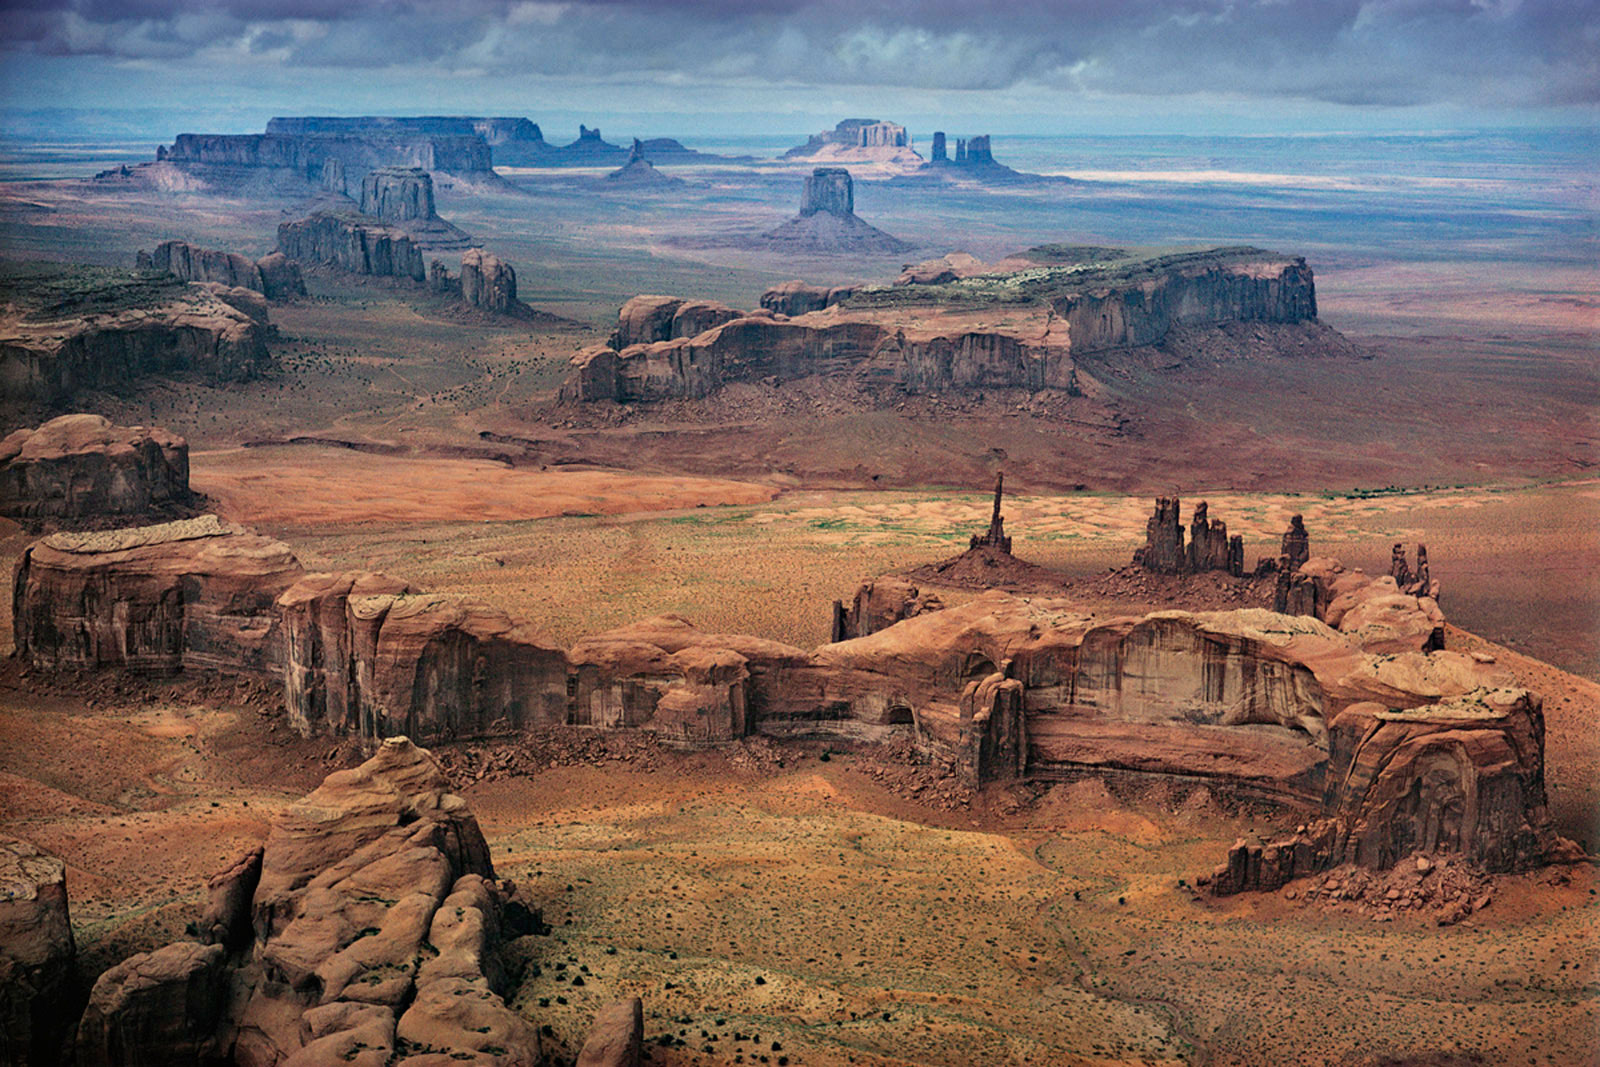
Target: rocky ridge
x,y
368,931
66,329
79,467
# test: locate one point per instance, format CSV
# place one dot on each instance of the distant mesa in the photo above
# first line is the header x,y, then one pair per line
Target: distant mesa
x,y
639,173
828,223
69,328
859,141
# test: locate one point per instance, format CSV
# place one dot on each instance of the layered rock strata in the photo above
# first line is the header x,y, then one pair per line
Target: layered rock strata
x,y
81,466
859,141
1003,686
352,242
373,938
1022,327
398,194
76,329
310,157
196,593
37,956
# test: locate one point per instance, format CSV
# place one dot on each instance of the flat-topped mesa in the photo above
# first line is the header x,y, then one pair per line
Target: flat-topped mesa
x,y
1209,549
956,324
368,927
189,594
308,156
352,242
496,131
69,328
79,467
859,140
398,194
273,276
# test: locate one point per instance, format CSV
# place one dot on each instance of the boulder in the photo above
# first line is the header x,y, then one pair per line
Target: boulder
x,y
617,1037
157,1009
82,466
37,955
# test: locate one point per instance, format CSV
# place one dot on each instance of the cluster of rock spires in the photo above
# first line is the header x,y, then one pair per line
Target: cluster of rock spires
x,y
81,467
1209,549
953,333
1004,687
67,329
368,929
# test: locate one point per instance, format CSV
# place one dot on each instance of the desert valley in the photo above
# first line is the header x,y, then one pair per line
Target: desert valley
x,y
885,596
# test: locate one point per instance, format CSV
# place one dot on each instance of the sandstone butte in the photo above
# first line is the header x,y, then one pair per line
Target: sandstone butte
x,y
80,466
952,324
71,328
1383,742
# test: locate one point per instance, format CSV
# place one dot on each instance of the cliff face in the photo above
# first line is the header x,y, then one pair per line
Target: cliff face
x,y
495,131
1391,744
272,276
398,194
488,282
80,466
355,243
37,955
192,593
1181,291
104,330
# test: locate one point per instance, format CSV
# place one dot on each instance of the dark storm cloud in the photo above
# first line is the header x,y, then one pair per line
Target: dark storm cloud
x,y
1381,52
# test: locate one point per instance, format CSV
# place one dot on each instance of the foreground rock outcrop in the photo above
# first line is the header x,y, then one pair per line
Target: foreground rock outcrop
x,y
373,937
195,593
72,328
37,956
81,466
1021,327
1003,686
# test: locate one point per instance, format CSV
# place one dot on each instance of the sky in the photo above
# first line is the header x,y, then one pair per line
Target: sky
x,y
754,66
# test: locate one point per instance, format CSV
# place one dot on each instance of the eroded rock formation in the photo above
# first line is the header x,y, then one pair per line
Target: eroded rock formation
x,y
638,173
398,194
1209,548
617,1037
1019,325
373,938
827,222
195,593
307,156
1385,616
859,140
880,603
81,466
192,263
67,329
37,956
352,242
1003,686
488,282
